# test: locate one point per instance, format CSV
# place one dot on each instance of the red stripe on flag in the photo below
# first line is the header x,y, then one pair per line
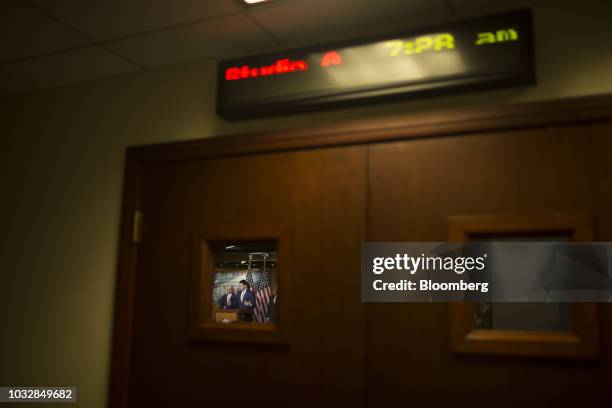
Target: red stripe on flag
x,y
262,298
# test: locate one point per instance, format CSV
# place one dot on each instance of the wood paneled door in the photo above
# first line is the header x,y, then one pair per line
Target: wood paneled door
x,y
415,186
321,192
319,196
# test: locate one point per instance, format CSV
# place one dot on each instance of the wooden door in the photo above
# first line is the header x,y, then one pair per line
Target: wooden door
x,y
398,179
320,195
414,187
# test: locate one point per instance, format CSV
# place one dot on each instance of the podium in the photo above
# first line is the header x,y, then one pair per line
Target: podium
x,y
230,316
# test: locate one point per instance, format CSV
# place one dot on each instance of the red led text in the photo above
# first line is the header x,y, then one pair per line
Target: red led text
x,y
283,66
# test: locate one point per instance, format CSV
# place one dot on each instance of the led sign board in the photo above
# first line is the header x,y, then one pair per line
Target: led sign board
x,y
486,52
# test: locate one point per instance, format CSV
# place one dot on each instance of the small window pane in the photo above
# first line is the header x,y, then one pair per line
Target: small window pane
x,y
244,282
554,316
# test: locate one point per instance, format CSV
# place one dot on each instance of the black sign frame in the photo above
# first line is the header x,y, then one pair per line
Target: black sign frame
x,y
524,75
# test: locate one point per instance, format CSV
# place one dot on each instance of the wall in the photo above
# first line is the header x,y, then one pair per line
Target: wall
x,y
62,163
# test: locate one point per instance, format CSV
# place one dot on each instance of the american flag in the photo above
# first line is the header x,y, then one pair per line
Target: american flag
x,y
262,297
249,278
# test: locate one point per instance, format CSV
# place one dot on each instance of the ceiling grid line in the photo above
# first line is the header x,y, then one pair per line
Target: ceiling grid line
x,y
105,43
93,42
46,54
68,41
272,37
170,27
118,54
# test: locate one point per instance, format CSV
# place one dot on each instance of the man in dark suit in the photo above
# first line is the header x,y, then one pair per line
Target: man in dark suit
x,y
246,300
229,300
271,317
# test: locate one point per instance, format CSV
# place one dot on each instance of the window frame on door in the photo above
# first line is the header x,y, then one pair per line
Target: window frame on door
x,y
581,343
201,325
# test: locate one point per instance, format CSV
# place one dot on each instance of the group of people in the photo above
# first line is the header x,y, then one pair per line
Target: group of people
x,y
245,302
